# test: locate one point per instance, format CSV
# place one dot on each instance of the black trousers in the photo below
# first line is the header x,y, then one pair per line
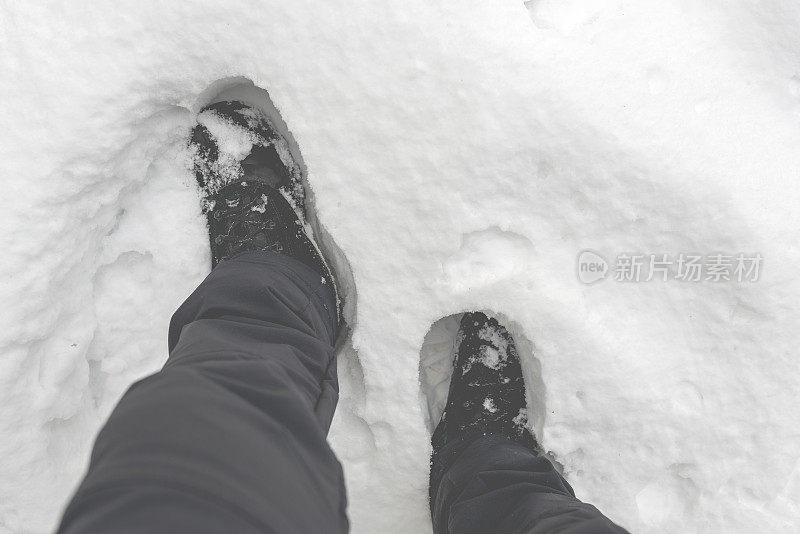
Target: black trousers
x,y
230,436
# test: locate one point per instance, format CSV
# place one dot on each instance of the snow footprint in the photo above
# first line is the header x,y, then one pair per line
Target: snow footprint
x,y
436,368
486,257
570,17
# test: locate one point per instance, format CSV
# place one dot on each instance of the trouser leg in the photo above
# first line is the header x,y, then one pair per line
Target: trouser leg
x,y
491,484
230,436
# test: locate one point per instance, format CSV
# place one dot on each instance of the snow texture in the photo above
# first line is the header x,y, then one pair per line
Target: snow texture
x,y
460,154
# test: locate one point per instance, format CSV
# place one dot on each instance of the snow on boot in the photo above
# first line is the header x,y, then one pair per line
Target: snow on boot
x,y
252,190
487,390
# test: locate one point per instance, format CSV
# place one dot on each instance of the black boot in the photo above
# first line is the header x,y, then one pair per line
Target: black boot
x,y
487,391
252,189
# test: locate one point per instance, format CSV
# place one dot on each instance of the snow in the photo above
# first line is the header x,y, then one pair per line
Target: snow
x,y
461,155
234,146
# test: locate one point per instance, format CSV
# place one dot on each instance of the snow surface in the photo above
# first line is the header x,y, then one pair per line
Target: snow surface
x,y
461,154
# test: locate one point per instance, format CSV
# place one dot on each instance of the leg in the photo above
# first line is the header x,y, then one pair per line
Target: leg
x,y
493,484
486,474
231,435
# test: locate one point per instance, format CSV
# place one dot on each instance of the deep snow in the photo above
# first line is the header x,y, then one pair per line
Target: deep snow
x,y
461,155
